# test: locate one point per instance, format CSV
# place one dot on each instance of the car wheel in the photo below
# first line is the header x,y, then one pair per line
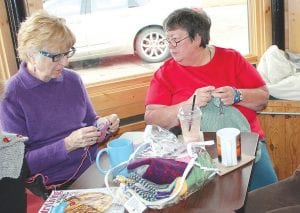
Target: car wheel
x,y
150,45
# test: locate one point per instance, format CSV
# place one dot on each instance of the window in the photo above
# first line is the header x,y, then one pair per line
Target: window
x,y
103,5
116,58
227,30
67,7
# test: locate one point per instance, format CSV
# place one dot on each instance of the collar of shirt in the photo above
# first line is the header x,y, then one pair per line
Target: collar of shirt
x,y
30,81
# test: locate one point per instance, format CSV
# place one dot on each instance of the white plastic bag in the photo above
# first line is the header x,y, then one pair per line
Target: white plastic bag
x,y
279,70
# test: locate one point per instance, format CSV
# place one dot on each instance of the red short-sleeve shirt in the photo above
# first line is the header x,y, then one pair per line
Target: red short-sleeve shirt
x,y
173,83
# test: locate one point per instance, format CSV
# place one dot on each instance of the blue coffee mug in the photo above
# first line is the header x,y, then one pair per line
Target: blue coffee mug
x,y
118,151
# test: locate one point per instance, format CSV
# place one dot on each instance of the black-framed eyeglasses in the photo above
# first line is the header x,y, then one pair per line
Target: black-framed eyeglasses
x,y
173,42
59,56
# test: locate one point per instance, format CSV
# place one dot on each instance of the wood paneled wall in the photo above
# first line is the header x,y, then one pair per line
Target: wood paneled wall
x,y
281,123
124,97
292,25
8,64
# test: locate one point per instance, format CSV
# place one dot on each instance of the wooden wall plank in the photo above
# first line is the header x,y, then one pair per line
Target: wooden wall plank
x,y
260,34
126,97
274,128
293,141
122,97
293,32
124,111
282,135
8,63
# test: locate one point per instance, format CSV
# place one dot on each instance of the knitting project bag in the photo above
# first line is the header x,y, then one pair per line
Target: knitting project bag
x,y
162,171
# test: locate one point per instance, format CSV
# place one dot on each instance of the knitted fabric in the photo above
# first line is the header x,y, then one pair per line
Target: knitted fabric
x,y
203,169
11,154
159,170
159,181
216,116
147,190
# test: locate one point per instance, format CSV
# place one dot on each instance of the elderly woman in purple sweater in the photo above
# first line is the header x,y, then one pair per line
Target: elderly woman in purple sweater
x,y
49,104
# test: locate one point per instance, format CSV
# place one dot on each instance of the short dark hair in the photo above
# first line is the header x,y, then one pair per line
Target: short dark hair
x,y
194,22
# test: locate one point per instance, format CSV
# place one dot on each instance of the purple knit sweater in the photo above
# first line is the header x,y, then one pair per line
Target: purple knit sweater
x,y
47,113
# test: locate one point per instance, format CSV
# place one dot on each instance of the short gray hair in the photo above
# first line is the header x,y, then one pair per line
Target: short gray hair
x,y
194,22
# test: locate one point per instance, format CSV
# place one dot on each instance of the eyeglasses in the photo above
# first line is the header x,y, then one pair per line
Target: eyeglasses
x,y
58,57
173,42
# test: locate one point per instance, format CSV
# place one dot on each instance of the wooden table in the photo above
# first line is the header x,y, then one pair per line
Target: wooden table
x,y
226,193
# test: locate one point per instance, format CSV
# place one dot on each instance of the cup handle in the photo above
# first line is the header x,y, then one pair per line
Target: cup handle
x,y
98,160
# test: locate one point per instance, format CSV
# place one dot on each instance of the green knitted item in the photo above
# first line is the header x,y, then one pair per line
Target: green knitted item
x,y
214,119
199,176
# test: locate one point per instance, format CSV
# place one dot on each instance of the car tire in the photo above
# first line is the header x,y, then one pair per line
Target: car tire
x,y
150,45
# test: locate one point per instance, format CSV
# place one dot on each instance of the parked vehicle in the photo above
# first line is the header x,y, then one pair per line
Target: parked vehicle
x,y
118,27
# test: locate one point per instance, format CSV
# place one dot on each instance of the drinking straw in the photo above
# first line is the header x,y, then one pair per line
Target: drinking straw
x,y
193,106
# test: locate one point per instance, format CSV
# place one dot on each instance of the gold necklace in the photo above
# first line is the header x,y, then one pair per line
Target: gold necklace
x,y
209,50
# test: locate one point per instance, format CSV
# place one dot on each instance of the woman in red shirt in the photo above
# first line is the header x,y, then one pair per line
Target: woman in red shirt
x,y
206,71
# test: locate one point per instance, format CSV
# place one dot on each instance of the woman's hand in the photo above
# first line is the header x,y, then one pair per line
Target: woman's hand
x,y
82,137
253,98
226,94
114,122
107,125
203,96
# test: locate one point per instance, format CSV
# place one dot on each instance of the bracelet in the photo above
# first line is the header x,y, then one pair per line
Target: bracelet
x,y
241,95
236,97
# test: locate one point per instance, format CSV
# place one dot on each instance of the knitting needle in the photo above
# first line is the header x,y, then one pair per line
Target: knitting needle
x,y
193,106
221,107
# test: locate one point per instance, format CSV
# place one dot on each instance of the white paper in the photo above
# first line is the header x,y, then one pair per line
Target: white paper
x,y
134,205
